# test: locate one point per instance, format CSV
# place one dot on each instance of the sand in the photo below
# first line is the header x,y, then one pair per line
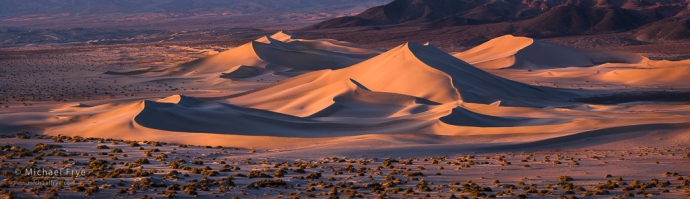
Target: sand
x,y
280,91
511,52
276,54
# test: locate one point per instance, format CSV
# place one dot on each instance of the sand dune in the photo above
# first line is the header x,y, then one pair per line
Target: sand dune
x,y
344,95
242,72
669,73
511,52
648,74
137,71
565,67
411,69
182,114
461,116
364,103
278,53
357,114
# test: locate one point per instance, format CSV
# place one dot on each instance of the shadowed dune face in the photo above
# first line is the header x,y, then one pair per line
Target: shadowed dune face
x,y
463,117
242,72
361,102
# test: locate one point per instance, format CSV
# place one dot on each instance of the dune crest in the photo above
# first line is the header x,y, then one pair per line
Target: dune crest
x,y
282,36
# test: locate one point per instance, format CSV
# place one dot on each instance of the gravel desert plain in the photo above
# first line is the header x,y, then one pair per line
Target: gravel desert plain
x,y
345,99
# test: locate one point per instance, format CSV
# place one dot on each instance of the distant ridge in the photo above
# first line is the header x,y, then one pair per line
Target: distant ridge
x,y
532,17
440,13
578,19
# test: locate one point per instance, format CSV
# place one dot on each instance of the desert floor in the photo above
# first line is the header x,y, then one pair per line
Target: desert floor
x,y
134,169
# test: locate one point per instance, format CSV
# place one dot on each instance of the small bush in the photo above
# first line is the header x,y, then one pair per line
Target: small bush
x,y
316,175
275,183
628,194
565,178
257,174
77,189
141,161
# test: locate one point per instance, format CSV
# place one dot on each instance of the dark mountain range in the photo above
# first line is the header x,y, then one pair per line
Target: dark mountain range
x,y
578,19
442,12
399,11
649,19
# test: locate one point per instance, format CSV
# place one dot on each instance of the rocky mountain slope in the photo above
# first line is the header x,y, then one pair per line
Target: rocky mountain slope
x,y
651,20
